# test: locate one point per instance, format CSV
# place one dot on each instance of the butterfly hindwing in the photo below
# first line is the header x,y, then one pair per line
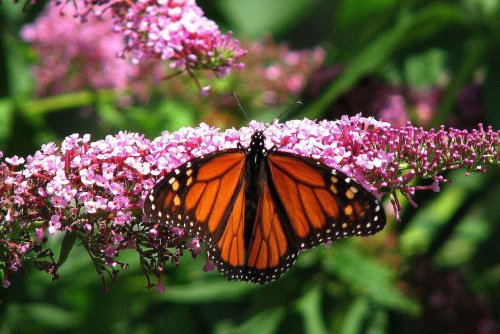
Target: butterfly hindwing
x,y
227,253
269,253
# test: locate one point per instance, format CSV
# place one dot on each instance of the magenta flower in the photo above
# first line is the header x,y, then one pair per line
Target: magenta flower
x,y
195,246
53,190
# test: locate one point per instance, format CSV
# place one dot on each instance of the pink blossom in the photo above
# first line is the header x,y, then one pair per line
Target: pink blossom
x,y
208,267
160,287
101,181
122,218
15,160
87,177
13,264
54,224
295,83
194,245
108,171
153,233
39,234
179,232
91,206
59,201
110,251
116,188
117,238
395,112
88,228
69,193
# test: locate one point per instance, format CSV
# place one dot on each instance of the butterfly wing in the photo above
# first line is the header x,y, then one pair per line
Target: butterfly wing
x,y
319,204
205,197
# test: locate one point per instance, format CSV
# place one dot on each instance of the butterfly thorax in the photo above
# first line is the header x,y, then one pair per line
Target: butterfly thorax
x,y
254,179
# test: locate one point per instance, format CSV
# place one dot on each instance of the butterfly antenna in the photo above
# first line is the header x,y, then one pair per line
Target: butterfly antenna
x,y
284,112
241,108
277,118
289,108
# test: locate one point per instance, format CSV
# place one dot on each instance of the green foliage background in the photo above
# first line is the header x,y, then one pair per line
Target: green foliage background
x,y
357,286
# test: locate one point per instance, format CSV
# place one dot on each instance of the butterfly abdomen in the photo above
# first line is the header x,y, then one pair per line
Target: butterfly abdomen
x,y
254,177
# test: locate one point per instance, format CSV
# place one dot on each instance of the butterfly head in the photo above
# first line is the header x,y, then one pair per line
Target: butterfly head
x,y
257,144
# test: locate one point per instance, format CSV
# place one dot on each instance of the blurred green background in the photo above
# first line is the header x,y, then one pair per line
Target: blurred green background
x,y
436,271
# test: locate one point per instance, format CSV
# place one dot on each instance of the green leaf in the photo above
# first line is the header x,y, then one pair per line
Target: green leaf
x,y
175,115
262,323
351,12
45,314
429,220
20,81
375,54
366,61
367,277
254,18
355,317
209,291
379,323
309,306
491,89
111,115
478,49
6,117
66,246
3,261
434,20
425,69
41,106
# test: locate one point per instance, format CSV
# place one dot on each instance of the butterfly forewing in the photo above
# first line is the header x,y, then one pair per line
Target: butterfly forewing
x,y
199,195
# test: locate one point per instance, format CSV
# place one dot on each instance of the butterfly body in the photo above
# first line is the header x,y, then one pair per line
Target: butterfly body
x,y
256,209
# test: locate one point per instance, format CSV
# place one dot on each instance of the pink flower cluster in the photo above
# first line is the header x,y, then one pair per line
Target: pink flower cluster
x,y
94,191
178,30
276,72
74,55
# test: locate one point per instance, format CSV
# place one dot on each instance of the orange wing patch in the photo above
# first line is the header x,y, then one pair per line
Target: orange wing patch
x,y
301,172
231,244
219,166
269,243
312,207
308,205
289,195
228,185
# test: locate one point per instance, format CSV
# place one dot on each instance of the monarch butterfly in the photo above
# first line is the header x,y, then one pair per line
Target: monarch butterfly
x,y
256,209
